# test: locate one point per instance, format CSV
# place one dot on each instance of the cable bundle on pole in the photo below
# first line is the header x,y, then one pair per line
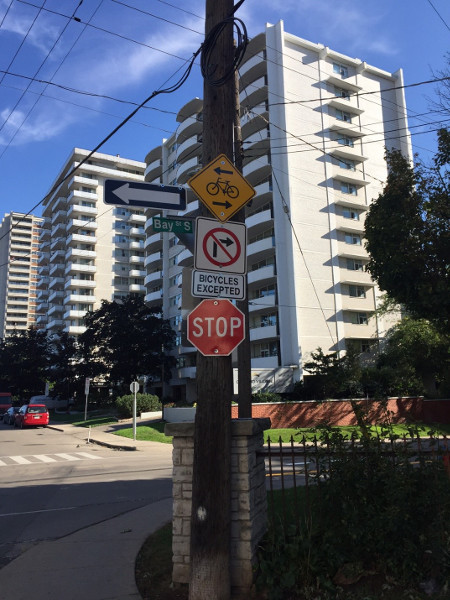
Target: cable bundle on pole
x,y
208,68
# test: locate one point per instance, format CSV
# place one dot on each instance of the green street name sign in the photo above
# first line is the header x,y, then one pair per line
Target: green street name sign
x,y
173,225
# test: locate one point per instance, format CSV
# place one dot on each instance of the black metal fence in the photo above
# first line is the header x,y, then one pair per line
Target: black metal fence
x,y
296,470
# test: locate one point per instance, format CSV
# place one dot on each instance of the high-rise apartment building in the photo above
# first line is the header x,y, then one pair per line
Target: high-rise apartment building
x,y
19,239
90,251
315,125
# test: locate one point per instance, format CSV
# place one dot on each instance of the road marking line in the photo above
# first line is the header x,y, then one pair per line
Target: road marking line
x,y
20,460
87,455
44,458
68,456
36,512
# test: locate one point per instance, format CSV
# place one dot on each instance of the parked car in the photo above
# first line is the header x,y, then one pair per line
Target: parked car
x,y
32,415
48,401
5,402
10,415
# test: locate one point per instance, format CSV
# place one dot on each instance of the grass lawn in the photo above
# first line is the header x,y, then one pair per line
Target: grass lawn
x,y
147,433
400,430
95,418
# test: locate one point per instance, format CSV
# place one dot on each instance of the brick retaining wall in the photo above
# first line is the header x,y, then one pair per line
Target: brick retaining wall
x,y
340,412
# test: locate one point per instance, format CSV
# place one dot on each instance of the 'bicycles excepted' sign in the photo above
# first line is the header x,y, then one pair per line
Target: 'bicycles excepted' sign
x,y
222,188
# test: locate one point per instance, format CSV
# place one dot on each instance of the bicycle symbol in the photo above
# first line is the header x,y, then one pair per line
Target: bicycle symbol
x,y
213,188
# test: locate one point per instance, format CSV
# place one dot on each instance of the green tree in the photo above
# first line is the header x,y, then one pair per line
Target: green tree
x,y
24,362
124,340
64,372
408,237
416,354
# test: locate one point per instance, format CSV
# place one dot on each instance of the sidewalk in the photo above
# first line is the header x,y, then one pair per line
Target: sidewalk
x,y
94,563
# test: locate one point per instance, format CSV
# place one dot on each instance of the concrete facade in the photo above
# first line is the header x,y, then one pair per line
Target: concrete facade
x,y
315,124
19,241
89,251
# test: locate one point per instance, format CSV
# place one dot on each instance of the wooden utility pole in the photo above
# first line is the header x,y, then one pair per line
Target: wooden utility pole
x,y
211,479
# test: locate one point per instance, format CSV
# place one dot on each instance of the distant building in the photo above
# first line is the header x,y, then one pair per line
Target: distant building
x,y
19,239
89,251
315,125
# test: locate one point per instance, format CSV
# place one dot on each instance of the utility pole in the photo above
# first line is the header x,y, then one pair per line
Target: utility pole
x,y
211,479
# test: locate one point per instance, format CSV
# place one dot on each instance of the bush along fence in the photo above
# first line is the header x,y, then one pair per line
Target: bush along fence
x,y
347,511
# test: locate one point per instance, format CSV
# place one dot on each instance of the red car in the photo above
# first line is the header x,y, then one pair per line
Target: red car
x,y
32,415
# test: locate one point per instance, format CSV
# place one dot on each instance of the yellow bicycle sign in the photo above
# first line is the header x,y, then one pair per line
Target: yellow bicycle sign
x,y
222,188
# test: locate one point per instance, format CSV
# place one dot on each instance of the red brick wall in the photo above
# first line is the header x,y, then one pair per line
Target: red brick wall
x,y
340,412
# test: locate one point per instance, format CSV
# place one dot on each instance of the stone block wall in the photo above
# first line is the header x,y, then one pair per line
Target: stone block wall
x,y
248,499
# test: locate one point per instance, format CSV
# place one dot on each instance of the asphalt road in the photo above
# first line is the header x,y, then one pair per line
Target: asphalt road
x,y
53,484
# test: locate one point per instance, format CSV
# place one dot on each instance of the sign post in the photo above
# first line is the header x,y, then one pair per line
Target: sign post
x,y
87,381
134,388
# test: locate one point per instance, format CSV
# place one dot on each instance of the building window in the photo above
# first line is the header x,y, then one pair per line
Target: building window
x,y
348,213
347,164
264,350
348,188
340,69
341,115
354,264
359,318
344,140
341,93
353,238
356,291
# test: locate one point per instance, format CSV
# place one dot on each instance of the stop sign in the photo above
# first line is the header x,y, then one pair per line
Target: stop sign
x,y
215,327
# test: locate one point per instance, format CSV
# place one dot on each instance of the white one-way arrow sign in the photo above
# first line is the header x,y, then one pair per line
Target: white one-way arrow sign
x,y
144,194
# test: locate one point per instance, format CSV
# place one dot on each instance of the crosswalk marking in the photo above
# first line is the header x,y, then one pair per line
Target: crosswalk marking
x,y
68,456
44,458
21,460
8,461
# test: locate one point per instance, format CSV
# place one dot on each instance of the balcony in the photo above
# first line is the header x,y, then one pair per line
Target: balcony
x,y
187,169
346,128
255,93
136,288
137,231
81,224
135,245
75,314
55,309
258,222
152,241
187,373
345,105
349,176
84,298
266,274
153,170
77,252
79,283
261,249
137,273
59,217
265,362
348,83
190,208
136,260
346,152
56,282
56,268
257,170
55,294
255,120
263,333
154,297
76,209
251,70
55,324
153,277
138,219
76,268
76,195
191,146
80,180
83,239
74,329
261,304
59,230
189,127
185,258
153,259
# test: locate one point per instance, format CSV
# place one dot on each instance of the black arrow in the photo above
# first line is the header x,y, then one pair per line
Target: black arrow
x,y
226,204
227,241
220,171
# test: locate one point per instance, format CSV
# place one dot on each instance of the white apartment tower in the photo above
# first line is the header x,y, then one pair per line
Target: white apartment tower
x,y
90,251
19,241
315,125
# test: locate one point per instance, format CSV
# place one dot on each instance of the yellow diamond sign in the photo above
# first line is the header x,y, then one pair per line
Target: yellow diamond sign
x,y
222,188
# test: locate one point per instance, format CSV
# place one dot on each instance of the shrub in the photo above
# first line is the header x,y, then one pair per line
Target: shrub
x,y
266,397
144,403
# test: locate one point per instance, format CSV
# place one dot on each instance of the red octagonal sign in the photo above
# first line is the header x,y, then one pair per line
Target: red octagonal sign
x,y
215,327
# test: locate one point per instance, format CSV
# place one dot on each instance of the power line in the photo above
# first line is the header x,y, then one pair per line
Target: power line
x,y
156,16
438,13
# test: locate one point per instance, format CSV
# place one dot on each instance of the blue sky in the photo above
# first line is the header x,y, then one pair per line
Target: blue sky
x,y
117,54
